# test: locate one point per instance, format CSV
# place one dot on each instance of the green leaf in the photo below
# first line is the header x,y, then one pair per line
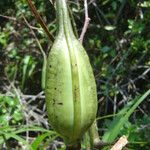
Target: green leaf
x,y
28,68
109,27
25,66
9,101
144,4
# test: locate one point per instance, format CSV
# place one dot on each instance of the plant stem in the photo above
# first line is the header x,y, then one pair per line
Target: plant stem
x,y
40,20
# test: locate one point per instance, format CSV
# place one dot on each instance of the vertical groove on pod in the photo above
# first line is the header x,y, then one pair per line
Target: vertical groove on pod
x,y
74,70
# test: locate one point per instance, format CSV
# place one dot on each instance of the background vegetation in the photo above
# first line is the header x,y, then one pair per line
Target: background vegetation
x,y
118,44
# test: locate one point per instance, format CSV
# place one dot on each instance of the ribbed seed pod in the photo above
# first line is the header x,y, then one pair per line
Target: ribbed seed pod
x,y
71,97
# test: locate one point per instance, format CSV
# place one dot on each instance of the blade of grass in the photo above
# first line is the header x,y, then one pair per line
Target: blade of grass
x,y
18,138
121,119
39,139
34,128
11,129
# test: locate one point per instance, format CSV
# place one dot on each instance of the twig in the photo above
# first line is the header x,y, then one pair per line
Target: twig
x,y
40,20
86,22
33,97
8,17
120,144
14,19
142,76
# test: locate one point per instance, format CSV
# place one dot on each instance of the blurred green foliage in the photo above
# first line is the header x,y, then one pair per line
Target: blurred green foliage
x,y
137,133
10,112
117,42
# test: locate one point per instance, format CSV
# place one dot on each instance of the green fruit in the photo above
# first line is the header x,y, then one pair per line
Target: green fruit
x,y
71,96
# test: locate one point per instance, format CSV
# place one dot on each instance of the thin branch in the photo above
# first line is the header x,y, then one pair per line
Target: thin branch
x,y
41,49
8,17
34,97
86,22
14,19
40,20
